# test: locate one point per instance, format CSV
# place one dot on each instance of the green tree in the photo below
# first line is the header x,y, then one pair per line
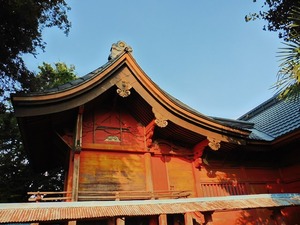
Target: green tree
x,y
288,76
277,15
283,16
21,26
16,175
50,77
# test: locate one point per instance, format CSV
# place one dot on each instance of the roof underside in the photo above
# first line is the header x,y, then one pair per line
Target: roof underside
x,y
59,211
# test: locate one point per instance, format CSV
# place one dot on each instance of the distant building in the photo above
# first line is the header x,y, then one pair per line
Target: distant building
x,y
136,155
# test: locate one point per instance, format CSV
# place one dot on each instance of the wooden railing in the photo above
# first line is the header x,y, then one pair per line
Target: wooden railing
x,y
107,195
130,195
40,196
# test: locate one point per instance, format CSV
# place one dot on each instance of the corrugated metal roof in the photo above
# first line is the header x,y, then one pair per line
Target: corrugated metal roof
x,y
53,211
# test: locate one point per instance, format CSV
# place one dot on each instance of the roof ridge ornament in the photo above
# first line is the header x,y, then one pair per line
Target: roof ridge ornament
x,y
118,48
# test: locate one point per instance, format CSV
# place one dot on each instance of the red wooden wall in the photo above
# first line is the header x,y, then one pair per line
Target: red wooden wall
x,y
113,158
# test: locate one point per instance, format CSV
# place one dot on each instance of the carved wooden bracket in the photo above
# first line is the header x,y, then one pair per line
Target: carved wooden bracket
x,y
123,88
198,152
160,120
214,144
199,149
149,131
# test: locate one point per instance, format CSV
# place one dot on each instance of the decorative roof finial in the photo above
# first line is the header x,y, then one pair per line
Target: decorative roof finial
x,y
118,48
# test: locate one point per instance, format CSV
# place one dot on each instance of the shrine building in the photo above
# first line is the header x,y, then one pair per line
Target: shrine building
x,y
133,154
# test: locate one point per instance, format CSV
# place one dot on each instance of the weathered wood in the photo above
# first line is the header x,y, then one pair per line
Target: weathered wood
x,y
75,177
111,171
180,169
130,195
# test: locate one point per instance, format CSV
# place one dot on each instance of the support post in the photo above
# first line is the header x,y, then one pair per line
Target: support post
x,y
162,219
149,183
188,219
72,222
120,221
76,154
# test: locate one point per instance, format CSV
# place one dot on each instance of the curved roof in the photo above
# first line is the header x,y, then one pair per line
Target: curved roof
x,y
121,68
40,115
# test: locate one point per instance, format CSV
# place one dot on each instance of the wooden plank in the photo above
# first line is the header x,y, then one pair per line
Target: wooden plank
x,y
180,174
111,171
159,174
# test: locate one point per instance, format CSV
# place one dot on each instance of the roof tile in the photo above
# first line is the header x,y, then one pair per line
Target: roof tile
x,y
275,117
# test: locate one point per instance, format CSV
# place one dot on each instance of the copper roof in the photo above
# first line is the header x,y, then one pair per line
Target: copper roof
x,y
53,211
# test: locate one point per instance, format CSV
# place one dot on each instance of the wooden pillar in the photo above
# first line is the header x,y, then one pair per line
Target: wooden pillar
x,y
208,218
76,154
75,182
149,182
162,219
72,222
120,221
188,219
278,217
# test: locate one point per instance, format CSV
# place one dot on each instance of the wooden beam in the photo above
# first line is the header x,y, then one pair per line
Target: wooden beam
x,y
76,154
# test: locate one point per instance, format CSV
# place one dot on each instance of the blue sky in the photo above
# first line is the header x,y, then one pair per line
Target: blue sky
x,y
200,51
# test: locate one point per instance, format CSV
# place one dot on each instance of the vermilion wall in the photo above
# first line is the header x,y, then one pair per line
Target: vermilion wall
x,y
113,158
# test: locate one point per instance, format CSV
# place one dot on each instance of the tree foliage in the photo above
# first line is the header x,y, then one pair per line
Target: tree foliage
x,y
288,82
21,26
16,175
277,15
283,16
50,77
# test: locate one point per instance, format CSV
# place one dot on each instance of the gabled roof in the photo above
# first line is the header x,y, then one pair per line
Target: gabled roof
x,y
38,113
90,86
274,119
